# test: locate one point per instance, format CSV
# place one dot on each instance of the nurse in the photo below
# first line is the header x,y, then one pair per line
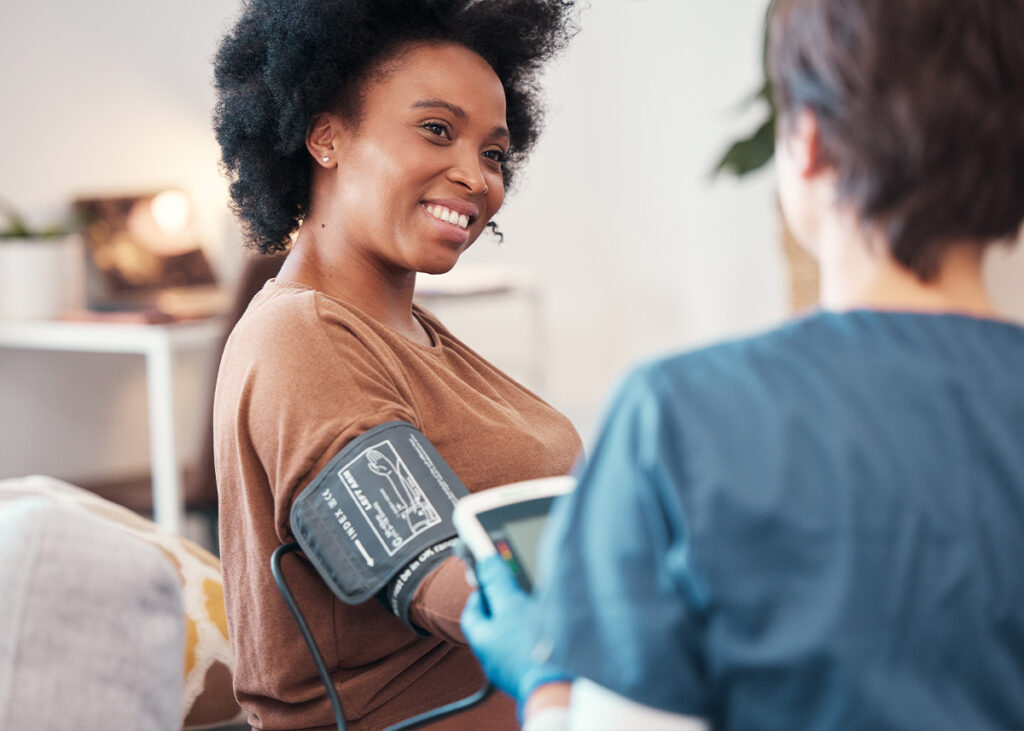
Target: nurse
x,y
821,526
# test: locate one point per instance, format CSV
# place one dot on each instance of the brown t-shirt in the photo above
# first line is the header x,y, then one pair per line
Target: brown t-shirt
x,y
302,374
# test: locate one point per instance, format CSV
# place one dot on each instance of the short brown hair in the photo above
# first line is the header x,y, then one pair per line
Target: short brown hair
x,y
920,107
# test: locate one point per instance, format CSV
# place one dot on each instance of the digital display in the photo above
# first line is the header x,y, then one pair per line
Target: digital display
x,y
517,542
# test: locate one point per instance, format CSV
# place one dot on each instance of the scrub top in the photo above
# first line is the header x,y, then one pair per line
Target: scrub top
x,y
818,527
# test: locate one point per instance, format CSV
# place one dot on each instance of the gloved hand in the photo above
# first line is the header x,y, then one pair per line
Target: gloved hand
x,y
503,640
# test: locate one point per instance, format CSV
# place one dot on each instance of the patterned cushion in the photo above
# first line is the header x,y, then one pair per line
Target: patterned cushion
x,y
69,659
207,698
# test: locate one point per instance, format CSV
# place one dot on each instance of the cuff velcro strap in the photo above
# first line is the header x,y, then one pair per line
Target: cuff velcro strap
x,y
399,592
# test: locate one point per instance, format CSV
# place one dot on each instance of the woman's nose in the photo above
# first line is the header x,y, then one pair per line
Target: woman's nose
x,y
467,171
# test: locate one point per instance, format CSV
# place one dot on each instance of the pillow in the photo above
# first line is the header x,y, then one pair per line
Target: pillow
x,y
91,626
207,696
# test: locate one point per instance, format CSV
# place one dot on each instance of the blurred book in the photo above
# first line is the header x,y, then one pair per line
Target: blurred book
x,y
143,257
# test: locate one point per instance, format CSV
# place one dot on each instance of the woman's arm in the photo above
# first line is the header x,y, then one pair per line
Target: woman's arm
x,y
437,605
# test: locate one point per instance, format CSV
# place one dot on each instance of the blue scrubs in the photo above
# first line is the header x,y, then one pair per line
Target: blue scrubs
x,y
819,527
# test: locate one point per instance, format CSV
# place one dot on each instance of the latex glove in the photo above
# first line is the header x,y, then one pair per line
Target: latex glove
x,y
503,639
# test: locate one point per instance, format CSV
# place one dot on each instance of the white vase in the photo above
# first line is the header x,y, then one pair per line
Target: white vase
x,y
40,278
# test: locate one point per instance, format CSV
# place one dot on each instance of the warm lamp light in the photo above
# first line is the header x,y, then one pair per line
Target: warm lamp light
x,y
170,210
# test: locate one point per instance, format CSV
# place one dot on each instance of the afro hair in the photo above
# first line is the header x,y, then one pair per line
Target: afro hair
x,y
284,62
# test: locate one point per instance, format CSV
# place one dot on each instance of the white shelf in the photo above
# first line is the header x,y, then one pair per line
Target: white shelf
x,y
159,344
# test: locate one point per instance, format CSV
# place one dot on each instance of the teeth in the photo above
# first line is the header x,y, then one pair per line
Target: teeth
x,y
446,214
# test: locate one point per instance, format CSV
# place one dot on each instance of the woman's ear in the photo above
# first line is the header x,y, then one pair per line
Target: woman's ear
x,y
803,139
320,139
804,177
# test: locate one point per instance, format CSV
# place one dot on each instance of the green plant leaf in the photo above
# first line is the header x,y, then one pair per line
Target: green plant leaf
x,y
748,155
16,225
18,228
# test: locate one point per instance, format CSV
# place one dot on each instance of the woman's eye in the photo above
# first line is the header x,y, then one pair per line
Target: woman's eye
x,y
437,128
497,155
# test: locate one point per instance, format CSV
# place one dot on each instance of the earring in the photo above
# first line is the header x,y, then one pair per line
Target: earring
x,y
325,158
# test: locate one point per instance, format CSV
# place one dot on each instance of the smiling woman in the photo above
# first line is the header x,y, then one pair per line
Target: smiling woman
x,y
375,139
408,185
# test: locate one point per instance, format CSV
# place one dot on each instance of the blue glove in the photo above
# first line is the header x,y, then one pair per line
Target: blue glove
x,y
503,640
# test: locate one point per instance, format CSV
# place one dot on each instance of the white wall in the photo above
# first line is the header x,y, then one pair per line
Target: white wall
x,y
639,249
107,96
636,248
1005,275
110,96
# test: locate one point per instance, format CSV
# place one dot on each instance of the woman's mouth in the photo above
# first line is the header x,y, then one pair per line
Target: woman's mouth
x,y
443,213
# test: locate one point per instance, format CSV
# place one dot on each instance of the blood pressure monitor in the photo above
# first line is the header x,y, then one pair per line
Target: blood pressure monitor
x,y
509,521
386,511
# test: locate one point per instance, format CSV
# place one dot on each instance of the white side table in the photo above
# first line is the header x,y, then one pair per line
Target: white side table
x,y
159,344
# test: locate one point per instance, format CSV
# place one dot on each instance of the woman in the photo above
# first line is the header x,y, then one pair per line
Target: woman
x,y
380,136
821,527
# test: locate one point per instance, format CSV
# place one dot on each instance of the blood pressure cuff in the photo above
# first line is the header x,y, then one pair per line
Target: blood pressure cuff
x,y
378,517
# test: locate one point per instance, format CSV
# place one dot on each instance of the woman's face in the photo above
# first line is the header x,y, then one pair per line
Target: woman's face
x,y
419,175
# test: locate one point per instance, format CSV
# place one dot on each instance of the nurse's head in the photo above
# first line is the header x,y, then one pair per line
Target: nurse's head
x,y
904,116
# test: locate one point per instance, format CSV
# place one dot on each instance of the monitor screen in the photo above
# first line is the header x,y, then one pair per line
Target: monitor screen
x,y
516,532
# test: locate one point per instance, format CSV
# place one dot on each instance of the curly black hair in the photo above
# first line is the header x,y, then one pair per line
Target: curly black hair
x,y
284,62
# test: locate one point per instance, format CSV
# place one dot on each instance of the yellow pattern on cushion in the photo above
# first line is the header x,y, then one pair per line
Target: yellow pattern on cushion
x,y
191,641
208,697
215,605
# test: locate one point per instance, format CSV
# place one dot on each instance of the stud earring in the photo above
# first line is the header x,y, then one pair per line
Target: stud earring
x,y
325,158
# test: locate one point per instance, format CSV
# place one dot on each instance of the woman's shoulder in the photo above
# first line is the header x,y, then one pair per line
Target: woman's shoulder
x,y
278,300
284,313
276,317
294,326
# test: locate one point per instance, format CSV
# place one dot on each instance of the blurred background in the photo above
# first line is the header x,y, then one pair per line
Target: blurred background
x,y
619,242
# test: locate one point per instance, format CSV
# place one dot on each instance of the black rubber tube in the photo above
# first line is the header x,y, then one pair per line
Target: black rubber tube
x,y
332,694
321,668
